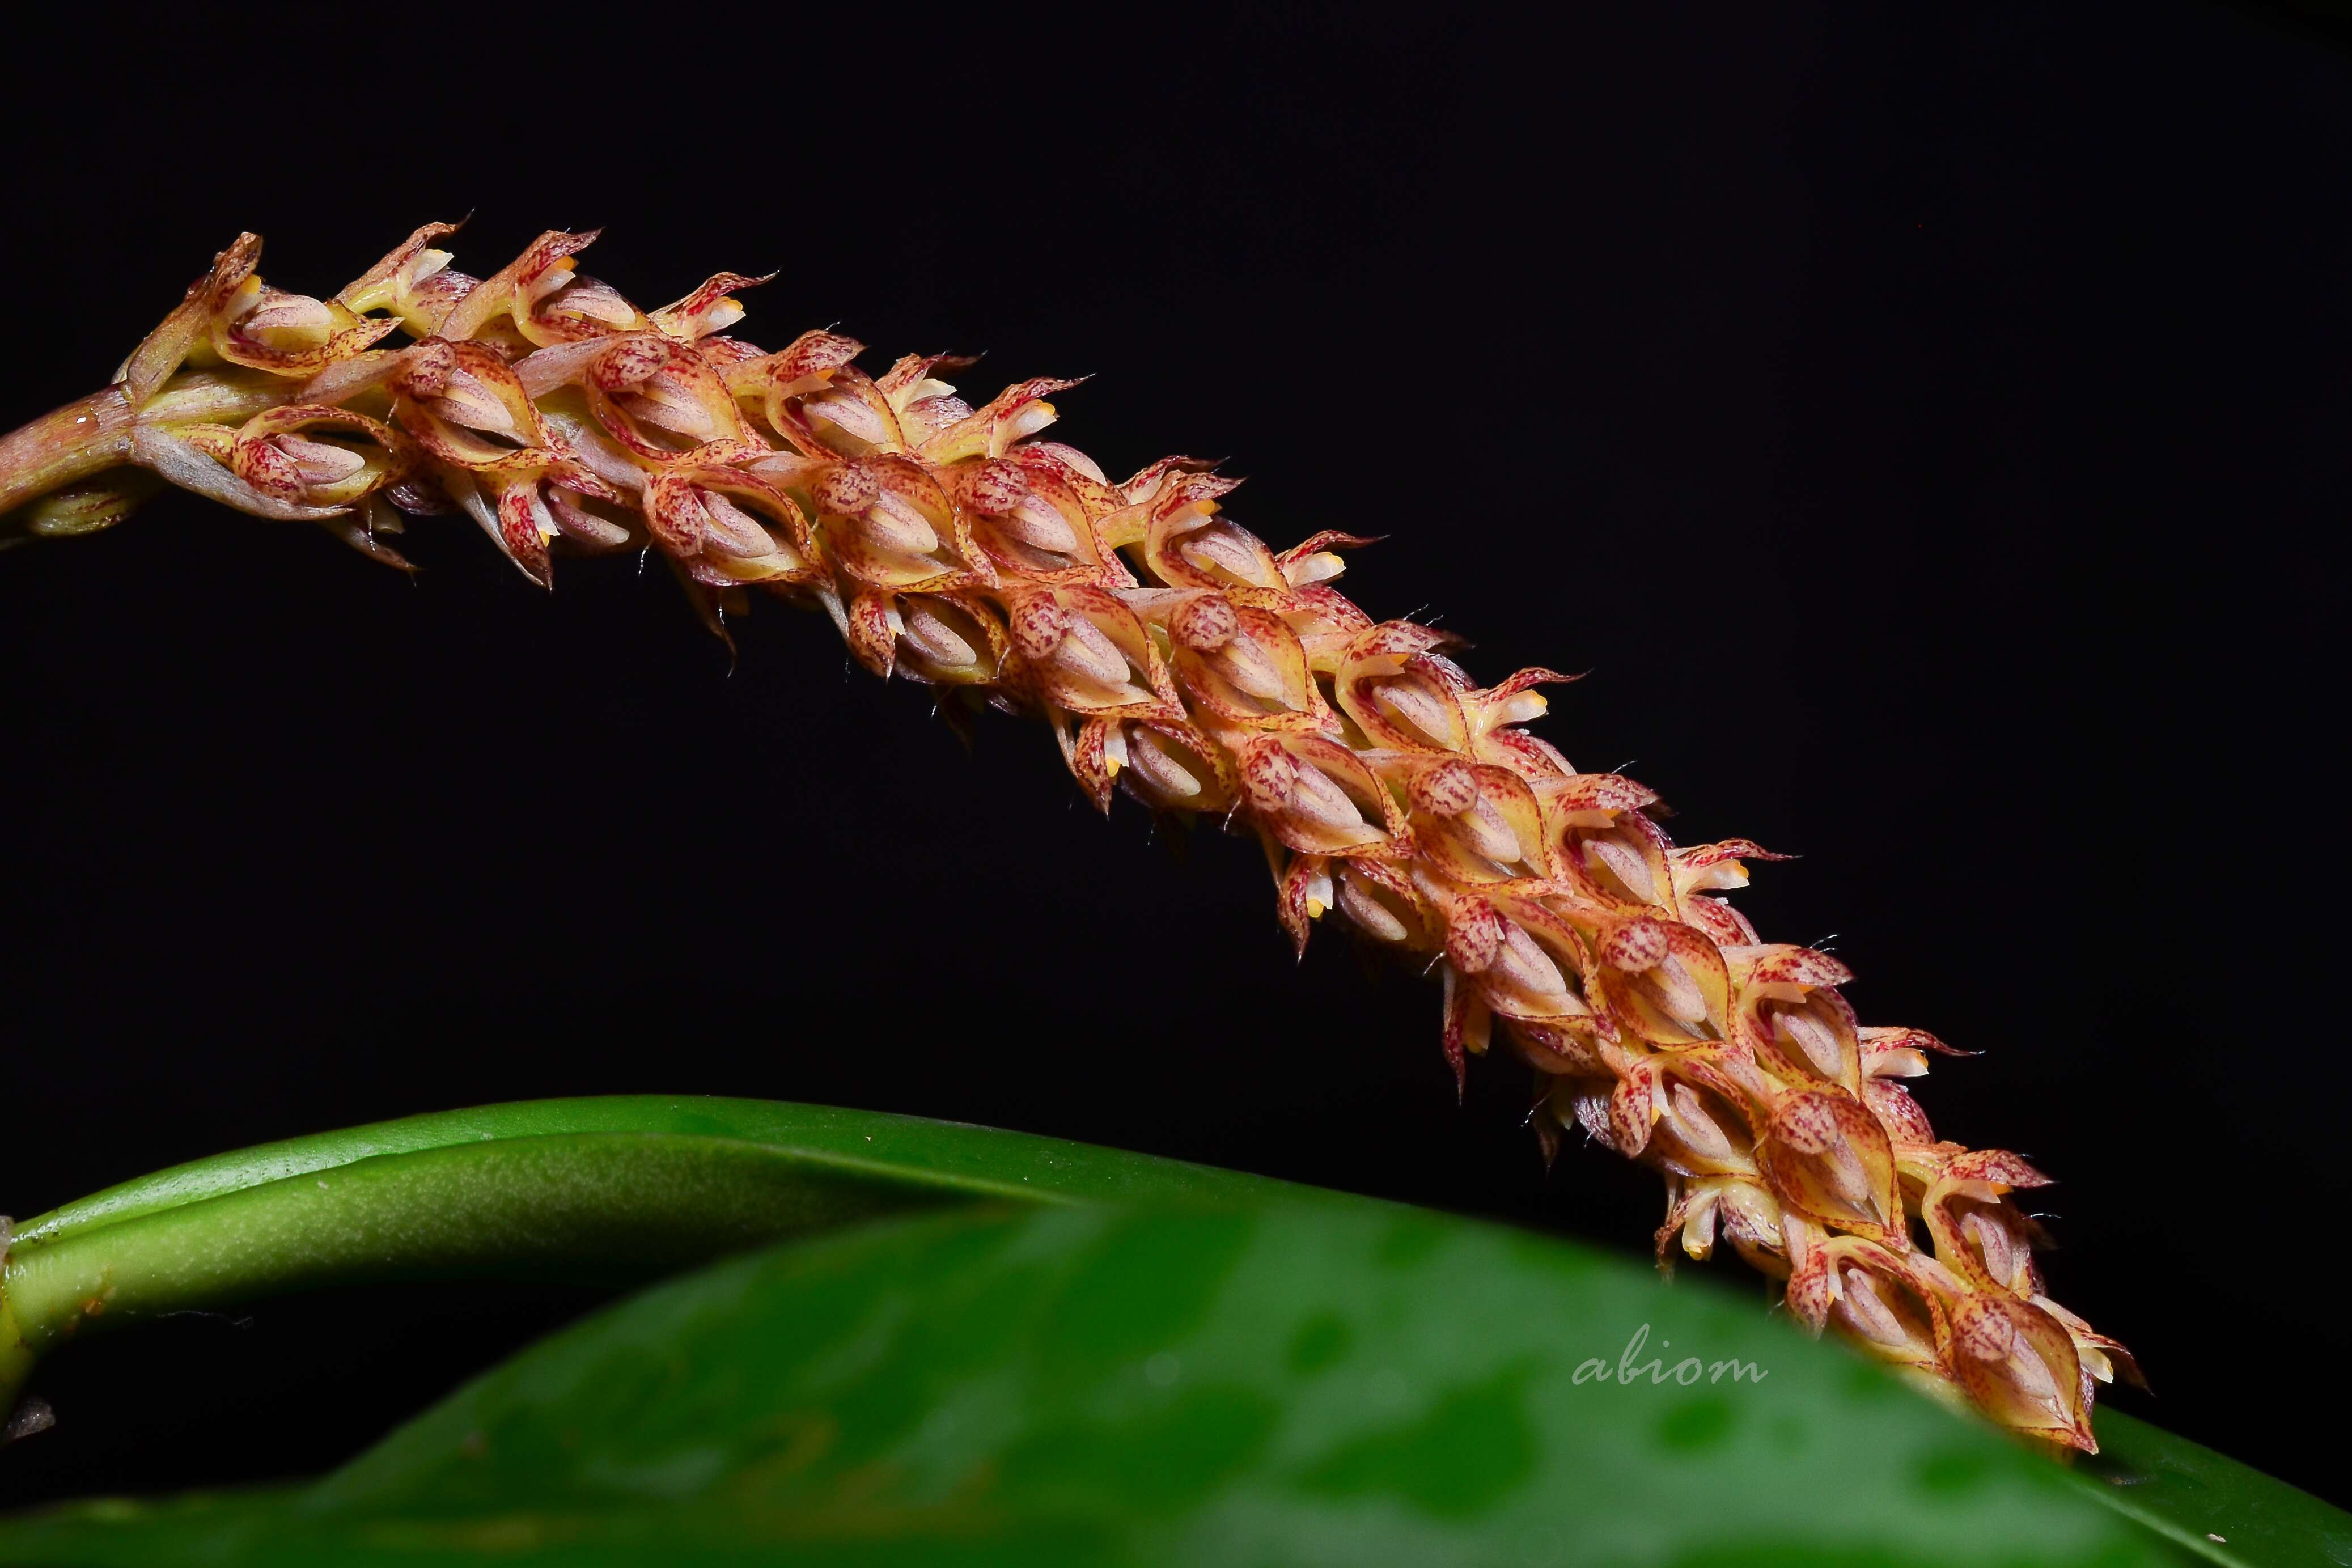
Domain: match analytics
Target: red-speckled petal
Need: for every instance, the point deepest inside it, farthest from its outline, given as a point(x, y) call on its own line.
point(1827, 1158)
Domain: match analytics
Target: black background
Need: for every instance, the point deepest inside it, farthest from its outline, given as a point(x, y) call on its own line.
point(1923, 422)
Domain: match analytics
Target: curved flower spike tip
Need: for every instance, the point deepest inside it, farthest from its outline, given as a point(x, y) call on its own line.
point(1177, 657)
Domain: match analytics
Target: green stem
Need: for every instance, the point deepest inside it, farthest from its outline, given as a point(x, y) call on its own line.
point(16, 1359)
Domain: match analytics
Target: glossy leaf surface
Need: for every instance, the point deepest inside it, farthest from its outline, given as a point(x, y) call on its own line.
point(904, 1152)
point(1336, 1384)
point(1097, 1356)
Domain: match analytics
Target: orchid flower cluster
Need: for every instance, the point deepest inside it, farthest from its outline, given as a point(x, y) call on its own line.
point(1180, 659)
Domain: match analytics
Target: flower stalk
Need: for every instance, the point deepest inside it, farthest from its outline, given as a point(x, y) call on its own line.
point(1178, 659)
point(57, 451)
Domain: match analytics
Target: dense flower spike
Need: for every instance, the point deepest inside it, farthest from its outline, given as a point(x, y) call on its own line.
point(1176, 657)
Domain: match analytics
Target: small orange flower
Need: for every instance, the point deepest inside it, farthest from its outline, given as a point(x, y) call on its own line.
point(1179, 659)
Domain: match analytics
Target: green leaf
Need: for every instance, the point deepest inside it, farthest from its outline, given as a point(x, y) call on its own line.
point(605, 1189)
point(1343, 1383)
point(2221, 1509)
point(1252, 1371)
point(949, 1157)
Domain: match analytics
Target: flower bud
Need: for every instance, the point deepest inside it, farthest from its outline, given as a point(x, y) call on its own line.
point(845, 490)
point(1473, 935)
point(1204, 624)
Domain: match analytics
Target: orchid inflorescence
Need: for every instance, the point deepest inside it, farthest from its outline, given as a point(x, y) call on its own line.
point(1176, 657)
